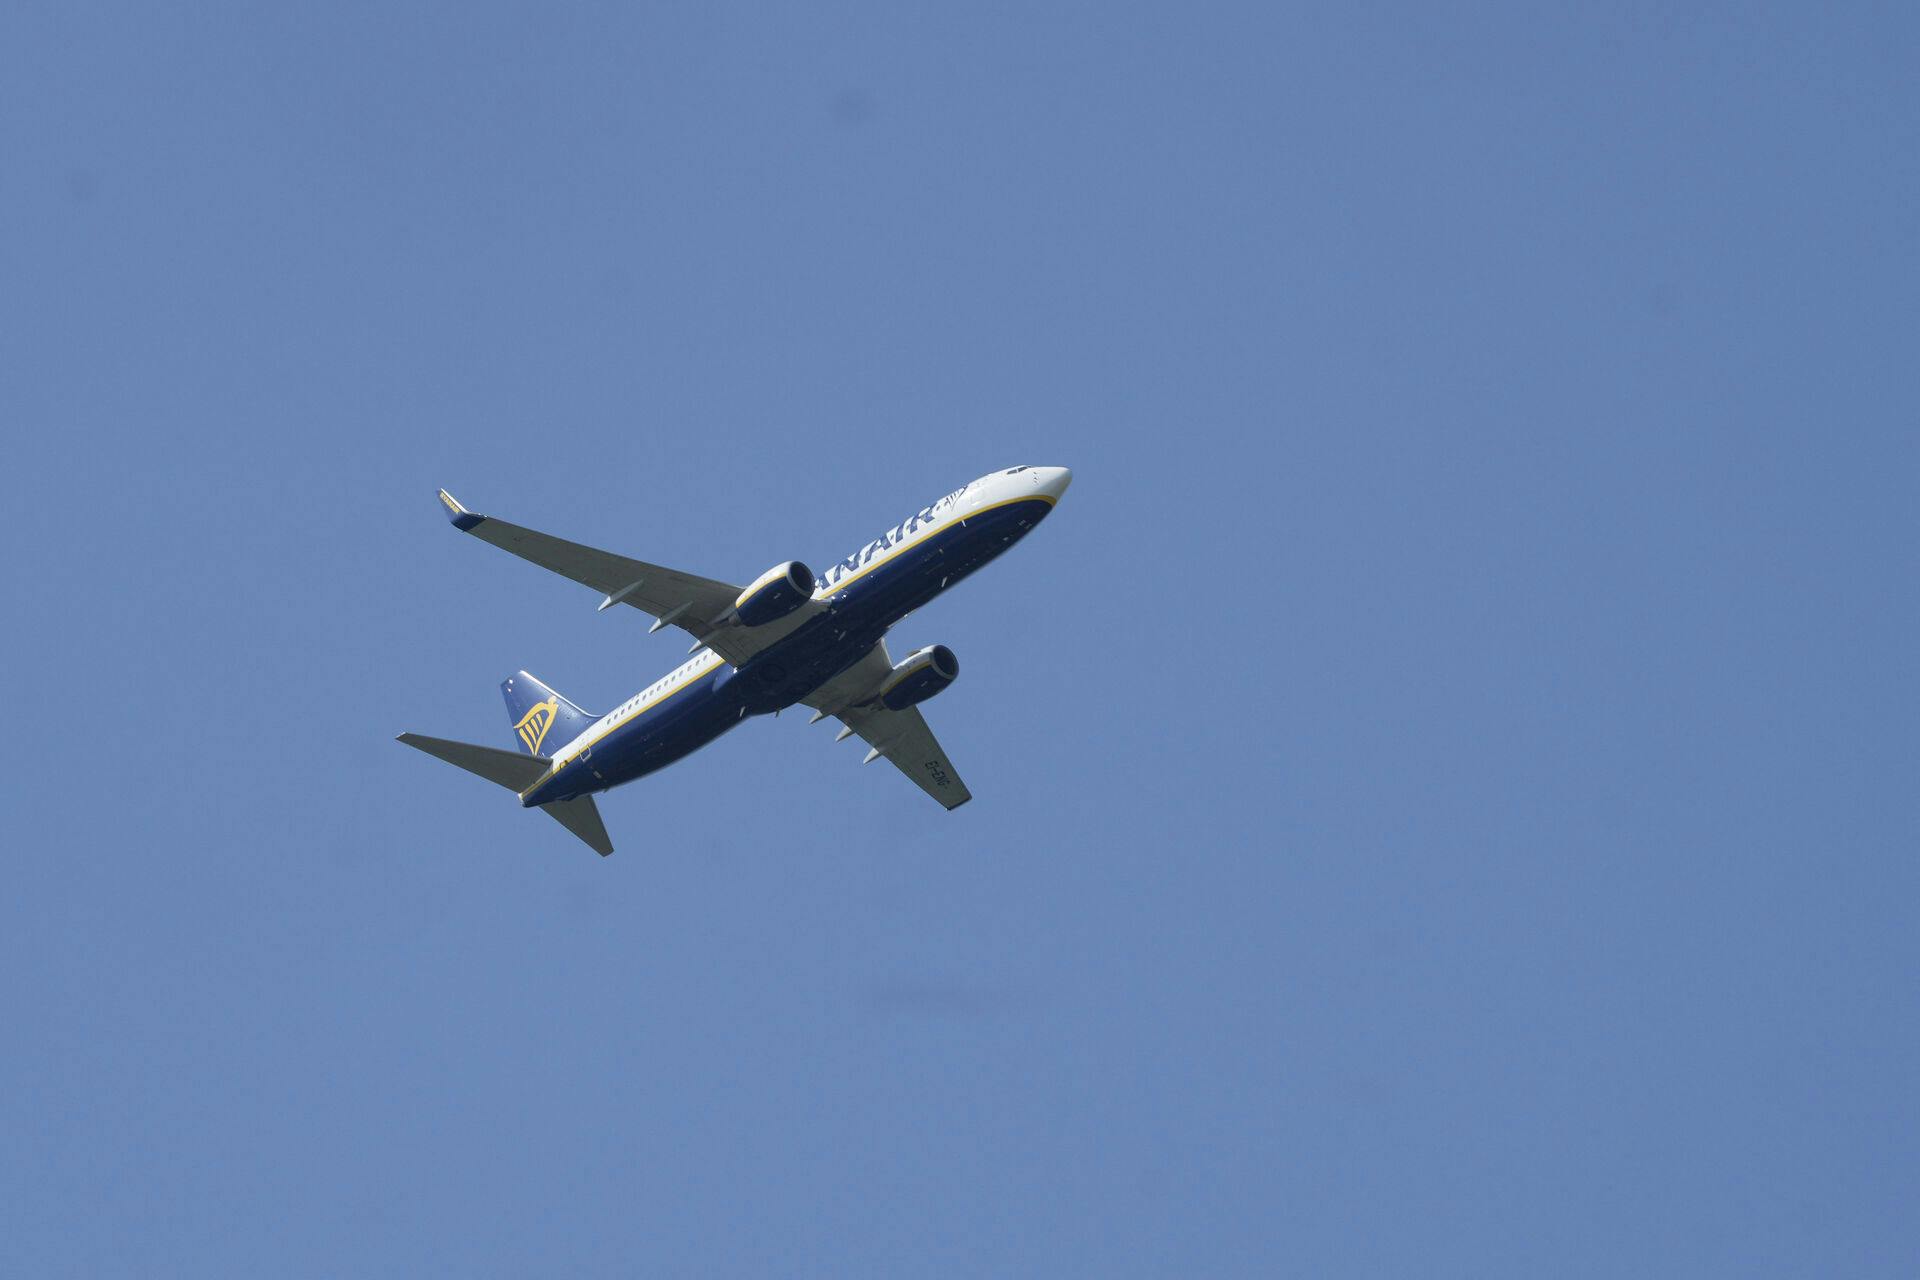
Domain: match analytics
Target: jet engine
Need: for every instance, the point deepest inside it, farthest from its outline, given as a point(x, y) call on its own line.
point(775, 594)
point(919, 676)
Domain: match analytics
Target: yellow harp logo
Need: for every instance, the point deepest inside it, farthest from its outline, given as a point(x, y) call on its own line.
point(533, 726)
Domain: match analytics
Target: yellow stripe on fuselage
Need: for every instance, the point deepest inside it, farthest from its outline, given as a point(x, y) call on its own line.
point(920, 537)
point(610, 725)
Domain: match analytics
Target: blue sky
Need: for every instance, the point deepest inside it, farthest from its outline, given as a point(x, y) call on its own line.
point(1445, 776)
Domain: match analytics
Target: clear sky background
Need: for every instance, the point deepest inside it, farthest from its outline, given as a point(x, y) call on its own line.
point(1445, 776)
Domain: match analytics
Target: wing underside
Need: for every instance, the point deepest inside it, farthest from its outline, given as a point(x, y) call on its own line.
point(702, 607)
point(902, 738)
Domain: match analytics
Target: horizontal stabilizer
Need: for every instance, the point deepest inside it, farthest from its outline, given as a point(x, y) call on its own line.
point(580, 816)
point(509, 769)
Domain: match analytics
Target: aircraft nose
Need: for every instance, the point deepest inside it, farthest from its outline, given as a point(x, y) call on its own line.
point(1053, 481)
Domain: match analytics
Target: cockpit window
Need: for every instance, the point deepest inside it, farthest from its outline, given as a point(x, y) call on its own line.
point(1014, 471)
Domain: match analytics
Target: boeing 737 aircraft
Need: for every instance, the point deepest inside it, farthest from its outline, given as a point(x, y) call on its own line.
point(787, 637)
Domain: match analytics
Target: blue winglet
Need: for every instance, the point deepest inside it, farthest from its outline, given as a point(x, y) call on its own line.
point(461, 517)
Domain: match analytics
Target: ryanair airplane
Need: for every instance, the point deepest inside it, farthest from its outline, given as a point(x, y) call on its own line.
point(787, 637)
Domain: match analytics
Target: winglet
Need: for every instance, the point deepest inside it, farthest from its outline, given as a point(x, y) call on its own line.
point(461, 517)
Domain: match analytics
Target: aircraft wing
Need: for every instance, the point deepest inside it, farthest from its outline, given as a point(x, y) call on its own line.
point(685, 600)
point(902, 737)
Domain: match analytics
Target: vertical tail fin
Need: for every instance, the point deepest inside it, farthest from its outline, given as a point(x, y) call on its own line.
point(543, 721)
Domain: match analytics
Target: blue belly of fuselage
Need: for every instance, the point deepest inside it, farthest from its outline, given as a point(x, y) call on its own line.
point(858, 615)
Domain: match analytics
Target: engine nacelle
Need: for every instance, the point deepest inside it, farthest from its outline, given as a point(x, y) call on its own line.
point(919, 676)
point(775, 594)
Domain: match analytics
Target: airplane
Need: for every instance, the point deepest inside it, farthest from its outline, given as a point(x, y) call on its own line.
point(787, 637)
